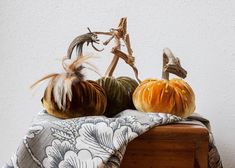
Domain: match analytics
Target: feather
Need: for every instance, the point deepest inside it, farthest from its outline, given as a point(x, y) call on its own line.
point(62, 90)
point(44, 78)
point(77, 63)
point(58, 91)
point(67, 90)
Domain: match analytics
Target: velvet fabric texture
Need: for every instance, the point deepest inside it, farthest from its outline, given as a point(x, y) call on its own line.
point(119, 93)
point(173, 96)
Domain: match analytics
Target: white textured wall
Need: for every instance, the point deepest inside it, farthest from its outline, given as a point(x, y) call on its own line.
point(34, 35)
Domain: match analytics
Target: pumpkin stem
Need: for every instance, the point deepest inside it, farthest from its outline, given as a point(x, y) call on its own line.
point(112, 66)
point(171, 64)
point(79, 41)
point(117, 35)
point(128, 58)
point(165, 74)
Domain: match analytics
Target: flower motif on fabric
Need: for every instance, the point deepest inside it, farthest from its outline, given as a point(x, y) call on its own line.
point(55, 153)
point(101, 139)
point(81, 159)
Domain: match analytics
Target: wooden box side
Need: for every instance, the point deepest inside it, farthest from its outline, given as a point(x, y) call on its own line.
point(177, 145)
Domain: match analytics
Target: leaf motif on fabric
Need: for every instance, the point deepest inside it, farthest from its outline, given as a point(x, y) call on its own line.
point(63, 136)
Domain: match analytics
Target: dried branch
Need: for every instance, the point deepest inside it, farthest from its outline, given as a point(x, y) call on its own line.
point(129, 59)
point(128, 44)
point(119, 34)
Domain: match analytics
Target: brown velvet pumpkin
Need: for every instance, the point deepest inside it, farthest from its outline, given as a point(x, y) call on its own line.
point(68, 95)
point(174, 96)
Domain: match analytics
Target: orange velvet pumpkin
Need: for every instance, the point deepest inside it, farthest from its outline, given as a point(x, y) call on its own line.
point(174, 96)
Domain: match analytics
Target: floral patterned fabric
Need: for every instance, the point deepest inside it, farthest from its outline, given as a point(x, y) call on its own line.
point(86, 142)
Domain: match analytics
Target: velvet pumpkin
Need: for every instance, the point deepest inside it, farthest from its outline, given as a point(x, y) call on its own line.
point(119, 90)
point(119, 93)
point(174, 96)
point(68, 95)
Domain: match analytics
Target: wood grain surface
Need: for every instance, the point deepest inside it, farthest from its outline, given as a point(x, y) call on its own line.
point(169, 146)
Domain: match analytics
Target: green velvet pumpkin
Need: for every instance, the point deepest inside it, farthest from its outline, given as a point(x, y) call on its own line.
point(119, 93)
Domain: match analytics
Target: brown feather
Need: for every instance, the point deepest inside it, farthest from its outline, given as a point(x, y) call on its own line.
point(44, 78)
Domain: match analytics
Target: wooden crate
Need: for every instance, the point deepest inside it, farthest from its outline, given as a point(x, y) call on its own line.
point(169, 146)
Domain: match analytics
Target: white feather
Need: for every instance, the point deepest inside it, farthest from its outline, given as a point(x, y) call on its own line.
point(67, 88)
point(63, 90)
point(57, 91)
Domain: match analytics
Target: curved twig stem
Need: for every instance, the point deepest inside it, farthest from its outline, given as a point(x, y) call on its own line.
point(129, 59)
point(79, 41)
point(104, 33)
point(112, 66)
point(171, 64)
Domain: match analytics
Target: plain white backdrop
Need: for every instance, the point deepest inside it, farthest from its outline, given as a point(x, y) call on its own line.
point(34, 36)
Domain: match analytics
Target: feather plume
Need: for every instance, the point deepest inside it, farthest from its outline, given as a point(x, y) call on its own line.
point(60, 85)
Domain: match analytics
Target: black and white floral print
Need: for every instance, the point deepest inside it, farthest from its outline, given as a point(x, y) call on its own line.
point(86, 142)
